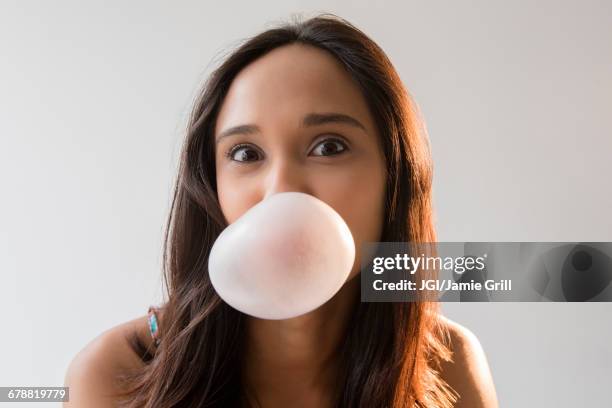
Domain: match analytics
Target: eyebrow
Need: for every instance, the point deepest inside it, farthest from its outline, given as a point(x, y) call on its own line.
point(312, 119)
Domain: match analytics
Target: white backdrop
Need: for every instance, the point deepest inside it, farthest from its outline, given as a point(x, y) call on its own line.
point(94, 98)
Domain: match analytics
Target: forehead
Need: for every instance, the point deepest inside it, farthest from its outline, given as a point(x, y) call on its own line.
point(289, 82)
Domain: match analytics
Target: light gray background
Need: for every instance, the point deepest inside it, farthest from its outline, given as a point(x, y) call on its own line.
point(93, 102)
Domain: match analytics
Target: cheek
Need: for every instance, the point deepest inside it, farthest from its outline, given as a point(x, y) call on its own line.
point(356, 192)
point(235, 196)
point(360, 201)
point(365, 219)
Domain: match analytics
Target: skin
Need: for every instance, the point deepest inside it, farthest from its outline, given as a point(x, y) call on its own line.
point(292, 362)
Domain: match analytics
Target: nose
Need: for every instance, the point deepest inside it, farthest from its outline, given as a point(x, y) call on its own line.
point(286, 175)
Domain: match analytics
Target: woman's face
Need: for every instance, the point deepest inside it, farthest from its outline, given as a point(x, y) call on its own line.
point(294, 120)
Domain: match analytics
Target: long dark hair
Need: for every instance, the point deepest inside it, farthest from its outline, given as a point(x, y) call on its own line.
point(392, 351)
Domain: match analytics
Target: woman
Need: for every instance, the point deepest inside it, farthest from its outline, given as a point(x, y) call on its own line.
point(316, 107)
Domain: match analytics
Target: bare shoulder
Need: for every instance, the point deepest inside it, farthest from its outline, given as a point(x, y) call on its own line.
point(469, 373)
point(91, 375)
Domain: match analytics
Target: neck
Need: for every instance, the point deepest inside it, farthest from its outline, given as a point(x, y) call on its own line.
point(297, 359)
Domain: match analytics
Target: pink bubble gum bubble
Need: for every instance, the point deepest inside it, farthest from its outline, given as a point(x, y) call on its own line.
point(286, 256)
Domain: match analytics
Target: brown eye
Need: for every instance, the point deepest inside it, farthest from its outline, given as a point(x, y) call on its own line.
point(330, 147)
point(242, 153)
